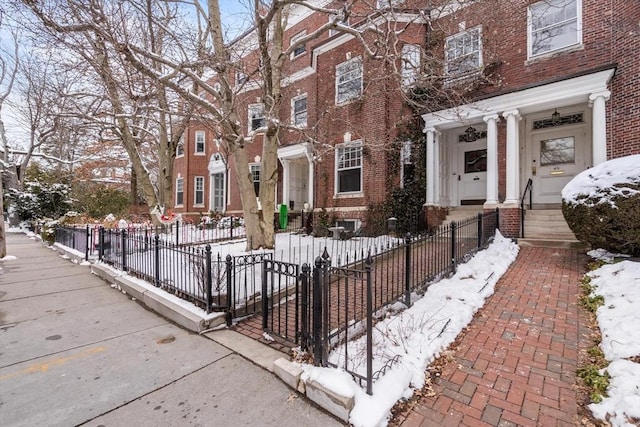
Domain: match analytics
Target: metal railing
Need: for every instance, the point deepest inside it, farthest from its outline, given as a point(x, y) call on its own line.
point(527, 189)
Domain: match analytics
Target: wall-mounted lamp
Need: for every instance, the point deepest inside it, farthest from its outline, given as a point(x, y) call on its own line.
point(470, 134)
point(555, 117)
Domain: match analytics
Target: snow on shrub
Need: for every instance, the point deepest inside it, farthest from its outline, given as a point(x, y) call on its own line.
point(602, 205)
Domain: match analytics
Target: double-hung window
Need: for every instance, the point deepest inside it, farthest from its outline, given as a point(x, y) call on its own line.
point(255, 175)
point(198, 191)
point(300, 49)
point(554, 25)
point(410, 64)
point(349, 168)
point(200, 142)
point(299, 111)
point(383, 4)
point(179, 191)
point(180, 147)
point(256, 117)
point(348, 80)
point(463, 52)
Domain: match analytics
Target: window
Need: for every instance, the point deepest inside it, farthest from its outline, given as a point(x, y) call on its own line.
point(554, 25)
point(475, 161)
point(410, 64)
point(298, 50)
point(200, 139)
point(341, 21)
point(198, 190)
point(179, 191)
point(383, 4)
point(180, 147)
point(256, 117)
point(463, 52)
point(241, 78)
point(348, 80)
point(407, 171)
point(218, 186)
point(299, 111)
point(255, 174)
point(349, 168)
point(557, 151)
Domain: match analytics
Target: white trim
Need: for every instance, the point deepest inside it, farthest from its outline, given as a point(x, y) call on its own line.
point(216, 163)
point(293, 40)
point(355, 60)
point(195, 190)
point(553, 95)
point(578, 42)
point(293, 112)
point(294, 151)
point(347, 194)
point(195, 143)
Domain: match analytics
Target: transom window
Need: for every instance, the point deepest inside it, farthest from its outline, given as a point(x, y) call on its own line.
point(349, 168)
point(198, 188)
point(463, 52)
point(256, 117)
point(299, 111)
point(348, 80)
point(554, 25)
point(298, 50)
point(179, 191)
point(200, 141)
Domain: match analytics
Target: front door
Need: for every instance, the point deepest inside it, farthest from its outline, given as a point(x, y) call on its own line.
point(299, 171)
point(472, 171)
point(557, 155)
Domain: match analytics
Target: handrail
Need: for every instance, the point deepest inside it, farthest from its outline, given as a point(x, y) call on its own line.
point(527, 188)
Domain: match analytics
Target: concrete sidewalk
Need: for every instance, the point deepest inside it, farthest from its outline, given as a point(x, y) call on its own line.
point(76, 351)
point(515, 365)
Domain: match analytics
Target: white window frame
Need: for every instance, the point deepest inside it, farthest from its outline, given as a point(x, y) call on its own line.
point(179, 190)
point(256, 169)
point(553, 4)
point(411, 60)
point(295, 120)
point(241, 78)
point(300, 50)
point(198, 189)
point(384, 4)
point(334, 31)
point(355, 162)
point(200, 138)
point(180, 147)
point(250, 110)
point(349, 71)
point(448, 52)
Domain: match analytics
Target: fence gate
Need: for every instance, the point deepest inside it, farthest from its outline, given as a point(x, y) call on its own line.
point(285, 299)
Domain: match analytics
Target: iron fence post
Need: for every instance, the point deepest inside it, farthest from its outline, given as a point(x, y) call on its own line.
point(479, 230)
point(265, 297)
point(317, 312)
point(453, 246)
point(304, 278)
point(101, 243)
point(407, 270)
point(231, 228)
point(207, 250)
point(231, 291)
point(367, 267)
point(177, 232)
point(326, 262)
point(86, 251)
point(156, 249)
point(124, 250)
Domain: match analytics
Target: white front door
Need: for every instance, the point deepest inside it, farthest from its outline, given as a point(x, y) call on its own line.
point(299, 172)
point(556, 156)
point(472, 171)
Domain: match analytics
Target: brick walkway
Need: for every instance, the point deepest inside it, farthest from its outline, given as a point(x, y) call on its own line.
point(516, 363)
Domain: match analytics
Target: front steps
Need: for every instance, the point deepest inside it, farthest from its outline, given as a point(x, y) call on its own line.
point(459, 213)
point(547, 228)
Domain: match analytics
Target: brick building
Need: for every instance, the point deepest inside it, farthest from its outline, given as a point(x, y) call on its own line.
point(544, 90)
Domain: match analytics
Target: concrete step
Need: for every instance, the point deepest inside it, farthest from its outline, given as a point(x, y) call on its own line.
point(547, 227)
point(552, 243)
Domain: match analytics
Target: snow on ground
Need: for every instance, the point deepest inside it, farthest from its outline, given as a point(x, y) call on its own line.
point(417, 335)
point(619, 322)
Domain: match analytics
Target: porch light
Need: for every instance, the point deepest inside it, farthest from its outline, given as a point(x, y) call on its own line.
point(470, 134)
point(555, 117)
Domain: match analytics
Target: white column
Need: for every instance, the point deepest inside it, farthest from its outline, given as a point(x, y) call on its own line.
point(599, 122)
point(285, 181)
point(310, 178)
point(436, 168)
point(492, 161)
point(513, 158)
point(430, 161)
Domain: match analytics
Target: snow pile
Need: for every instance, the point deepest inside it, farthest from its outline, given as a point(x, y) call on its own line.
point(619, 321)
point(416, 336)
point(601, 183)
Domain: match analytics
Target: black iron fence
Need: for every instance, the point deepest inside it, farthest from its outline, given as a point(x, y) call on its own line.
point(326, 306)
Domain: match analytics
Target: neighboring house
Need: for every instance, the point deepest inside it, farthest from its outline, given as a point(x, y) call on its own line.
point(544, 90)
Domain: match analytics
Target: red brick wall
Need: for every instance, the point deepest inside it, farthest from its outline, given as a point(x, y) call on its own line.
point(510, 222)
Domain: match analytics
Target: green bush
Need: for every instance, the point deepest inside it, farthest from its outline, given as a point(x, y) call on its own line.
point(602, 205)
